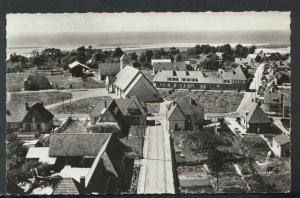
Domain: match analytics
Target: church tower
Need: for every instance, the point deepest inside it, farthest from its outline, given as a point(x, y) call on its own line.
point(124, 60)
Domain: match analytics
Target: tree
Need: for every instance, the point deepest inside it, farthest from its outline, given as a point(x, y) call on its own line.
point(118, 52)
point(178, 58)
point(133, 56)
point(149, 55)
point(215, 162)
point(252, 49)
point(142, 58)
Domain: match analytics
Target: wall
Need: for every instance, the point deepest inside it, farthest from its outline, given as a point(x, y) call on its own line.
point(199, 86)
point(181, 125)
point(144, 91)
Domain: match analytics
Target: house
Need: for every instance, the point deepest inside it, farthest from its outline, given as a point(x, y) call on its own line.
point(30, 119)
point(89, 162)
point(273, 103)
point(255, 120)
point(131, 82)
point(129, 111)
point(77, 69)
point(252, 57)
point(154, 61)
point(37, 82)
point(226, 80)
point(159, 66)
point(184, 114)
point(281, 145)
point(13, 66)
point(108, 70)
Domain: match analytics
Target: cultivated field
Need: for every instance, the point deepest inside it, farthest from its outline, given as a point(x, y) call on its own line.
point(214, 102)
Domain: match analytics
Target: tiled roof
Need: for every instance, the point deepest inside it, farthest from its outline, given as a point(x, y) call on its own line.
point(256, 115)
point(158, 66)
point(15, 112)
point(175, 114)
point(282, 139)
point(195, 182)
point(66, 186)
point(109, 68)
point(72, 144)
point(189, 106)
point(273, 98)
point(126, 76)
point(237, 74)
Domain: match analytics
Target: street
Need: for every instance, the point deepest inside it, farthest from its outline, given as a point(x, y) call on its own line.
point(157, 174)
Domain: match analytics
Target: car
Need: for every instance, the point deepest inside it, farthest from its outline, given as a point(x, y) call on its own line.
point(157, 122)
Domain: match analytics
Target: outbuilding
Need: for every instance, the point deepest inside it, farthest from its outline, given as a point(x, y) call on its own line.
point(281, 145)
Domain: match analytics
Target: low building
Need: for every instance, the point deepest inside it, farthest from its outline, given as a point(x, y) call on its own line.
point(77, 69)
point(154, 61)
point(108, 70)
point(281, 145)
point(160, 66)
point(37, 82)
point(131, 82)
point(255, 120)
point(226, 80)
point(184, 114)
point(125, 112)
point(40, 154)
point(21, 117)
point(243, 61)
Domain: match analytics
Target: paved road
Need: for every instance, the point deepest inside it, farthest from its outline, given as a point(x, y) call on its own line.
point(79, 94)
point(156, 171)
point(158, 174)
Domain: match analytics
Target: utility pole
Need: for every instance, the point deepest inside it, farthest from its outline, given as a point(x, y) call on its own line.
point(71, 102)
point(63, 100)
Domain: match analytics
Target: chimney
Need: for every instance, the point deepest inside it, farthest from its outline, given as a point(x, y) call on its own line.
point(174, 102)
point(174, 73)
point(27, 107)
point(42, 103)
point(82, 184)
point(187, 73)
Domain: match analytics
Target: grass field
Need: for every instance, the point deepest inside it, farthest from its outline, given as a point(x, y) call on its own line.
point(47, 98)
point(15, 81)
point(83, 106)
point(214, 102)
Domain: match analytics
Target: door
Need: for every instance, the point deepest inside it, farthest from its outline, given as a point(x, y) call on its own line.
point(176, 126)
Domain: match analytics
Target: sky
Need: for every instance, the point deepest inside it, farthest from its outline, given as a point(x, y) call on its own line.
point(133, 22)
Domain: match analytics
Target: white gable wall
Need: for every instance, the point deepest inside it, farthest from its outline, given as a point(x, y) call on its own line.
point(144, 91)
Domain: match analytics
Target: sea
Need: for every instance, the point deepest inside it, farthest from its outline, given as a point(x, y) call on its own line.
point(25, 43)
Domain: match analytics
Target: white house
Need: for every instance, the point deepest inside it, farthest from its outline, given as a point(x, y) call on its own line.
point(281, 145)
point(131, 82)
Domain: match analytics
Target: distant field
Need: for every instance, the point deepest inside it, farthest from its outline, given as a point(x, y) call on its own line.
point(47, 98)
point(214, 102)
point(84, 106)
point(15, 81)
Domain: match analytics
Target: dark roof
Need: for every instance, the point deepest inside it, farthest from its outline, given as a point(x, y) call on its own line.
point(256, 115)
point(273, 98)
point(38, 79)
point(41, 111)
point(15, 112)
point(175, 114)
point(158, 66)
point(282, 139)
point(108, 68)
point(122, 104)
point(80, 144)
point(189, 106)
point(111, 79)
point(66, 186)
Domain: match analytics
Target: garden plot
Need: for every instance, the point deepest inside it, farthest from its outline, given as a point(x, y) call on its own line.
point(214, 102)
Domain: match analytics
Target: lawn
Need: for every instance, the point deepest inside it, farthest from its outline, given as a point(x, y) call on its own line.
point(83, 106)
point(15, 81)
point(214, 102)
point(47, 98)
